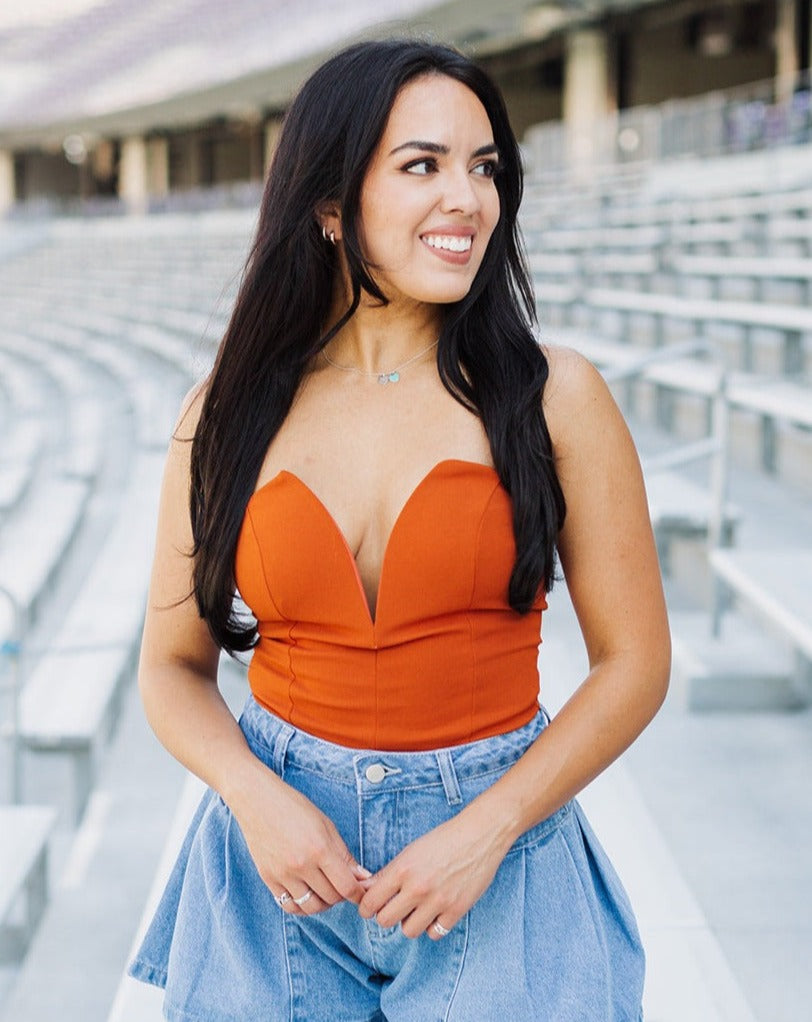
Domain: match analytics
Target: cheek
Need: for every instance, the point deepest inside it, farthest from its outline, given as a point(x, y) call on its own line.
point(491, 210)
point(389, 226)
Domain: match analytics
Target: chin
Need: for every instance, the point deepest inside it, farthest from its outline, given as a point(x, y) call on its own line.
point(445, 295)
point(432, 291)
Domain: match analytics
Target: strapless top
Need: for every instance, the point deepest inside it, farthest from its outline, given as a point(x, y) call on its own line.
point(446, 659)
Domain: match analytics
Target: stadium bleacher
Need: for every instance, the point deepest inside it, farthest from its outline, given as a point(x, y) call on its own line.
point(659, 272)
point(101, 335)
point(106, 323)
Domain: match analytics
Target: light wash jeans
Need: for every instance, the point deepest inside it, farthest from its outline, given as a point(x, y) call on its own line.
point(553, 939)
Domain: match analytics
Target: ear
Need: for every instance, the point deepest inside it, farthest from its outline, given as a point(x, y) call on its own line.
point(328, 217)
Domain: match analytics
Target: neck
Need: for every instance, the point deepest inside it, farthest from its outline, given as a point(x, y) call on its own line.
point(379, 338)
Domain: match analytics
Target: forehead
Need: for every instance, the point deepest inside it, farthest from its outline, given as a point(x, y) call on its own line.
point(432, 107)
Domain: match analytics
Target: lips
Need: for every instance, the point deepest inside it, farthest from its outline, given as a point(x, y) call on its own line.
point(450, 243)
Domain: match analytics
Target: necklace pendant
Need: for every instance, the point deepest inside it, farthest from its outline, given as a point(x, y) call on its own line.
point(383, 378)
point(394, 377)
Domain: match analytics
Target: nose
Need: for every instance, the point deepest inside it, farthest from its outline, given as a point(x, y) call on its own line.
point(460, 194)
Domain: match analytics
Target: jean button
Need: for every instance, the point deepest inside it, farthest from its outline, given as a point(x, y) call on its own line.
point(375, 773)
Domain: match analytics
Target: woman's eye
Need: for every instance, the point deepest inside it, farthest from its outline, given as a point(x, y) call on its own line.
point(490, 168)
point(420, 167)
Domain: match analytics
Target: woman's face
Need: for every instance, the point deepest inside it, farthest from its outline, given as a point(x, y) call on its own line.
point(429, 203)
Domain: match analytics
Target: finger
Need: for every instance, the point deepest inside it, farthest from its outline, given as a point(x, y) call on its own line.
point(397, 909)
point(440, 927)
point(282, 897)
point(419, 921)
point(305, 900)
point(341, 873)
point(320, 885)
point(383, 888)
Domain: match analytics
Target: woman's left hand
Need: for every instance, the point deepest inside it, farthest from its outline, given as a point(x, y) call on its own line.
point(436, 878)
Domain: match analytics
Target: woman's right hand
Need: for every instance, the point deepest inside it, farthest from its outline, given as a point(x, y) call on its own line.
point(297, 849)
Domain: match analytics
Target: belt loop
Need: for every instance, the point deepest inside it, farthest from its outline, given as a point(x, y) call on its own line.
point(280, 746)
point(449, 776)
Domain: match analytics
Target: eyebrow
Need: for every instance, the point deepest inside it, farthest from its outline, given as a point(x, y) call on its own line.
point(443, 150)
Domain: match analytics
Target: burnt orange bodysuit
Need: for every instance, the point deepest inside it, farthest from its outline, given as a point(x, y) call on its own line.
point(446, 659)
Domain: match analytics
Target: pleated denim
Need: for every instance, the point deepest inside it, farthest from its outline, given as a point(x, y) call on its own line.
point(553, 939)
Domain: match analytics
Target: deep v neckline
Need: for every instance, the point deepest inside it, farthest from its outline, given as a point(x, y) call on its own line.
point(372, 614)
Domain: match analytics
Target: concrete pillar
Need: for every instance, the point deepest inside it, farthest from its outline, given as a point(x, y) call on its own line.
point(133, 174)
point(256, 152)
point(787, 62)
point(586, 101)
point(7, 195)
point(272, 130)
point(158, 166)
point(194, 159)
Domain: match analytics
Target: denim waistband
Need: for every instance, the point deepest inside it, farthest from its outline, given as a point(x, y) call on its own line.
point(372, 770)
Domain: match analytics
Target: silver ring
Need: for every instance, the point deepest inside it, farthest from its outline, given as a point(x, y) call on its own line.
point(439, 929)
point(308, 894)
point(283, 899)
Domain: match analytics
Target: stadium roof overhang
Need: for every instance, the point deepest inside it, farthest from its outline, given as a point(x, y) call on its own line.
point(476, 26)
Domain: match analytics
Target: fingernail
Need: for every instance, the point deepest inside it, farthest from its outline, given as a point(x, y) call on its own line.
point(361, 870)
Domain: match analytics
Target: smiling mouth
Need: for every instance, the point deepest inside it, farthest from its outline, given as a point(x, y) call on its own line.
point(449, 242)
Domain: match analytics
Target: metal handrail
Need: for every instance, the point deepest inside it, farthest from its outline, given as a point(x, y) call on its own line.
point(683, 455)
point(761, 115)
point(666, 353)
point(10, 650)
point(714, 446)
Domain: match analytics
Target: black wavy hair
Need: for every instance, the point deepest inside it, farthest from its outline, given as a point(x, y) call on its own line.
point(487, 356)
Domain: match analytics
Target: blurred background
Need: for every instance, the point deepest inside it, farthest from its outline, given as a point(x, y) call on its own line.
point(668, 223)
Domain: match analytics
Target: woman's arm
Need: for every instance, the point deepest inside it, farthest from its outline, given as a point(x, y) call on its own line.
point(610, 563)
point(609, 557)
point(294, 846)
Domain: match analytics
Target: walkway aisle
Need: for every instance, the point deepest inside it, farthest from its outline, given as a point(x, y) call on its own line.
point(688, 978)
point(100, 879)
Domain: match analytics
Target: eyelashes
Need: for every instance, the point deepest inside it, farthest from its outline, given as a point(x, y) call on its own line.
point(486, 168)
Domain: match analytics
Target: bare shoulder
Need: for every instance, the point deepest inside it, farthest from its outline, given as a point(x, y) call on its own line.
point(578, 405)
point(190, 409)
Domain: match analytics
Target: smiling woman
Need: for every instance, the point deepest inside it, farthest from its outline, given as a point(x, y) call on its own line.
point(429, 208)
point(384, 464)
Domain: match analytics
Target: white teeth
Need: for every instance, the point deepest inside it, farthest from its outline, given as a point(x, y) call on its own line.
point(448, 241)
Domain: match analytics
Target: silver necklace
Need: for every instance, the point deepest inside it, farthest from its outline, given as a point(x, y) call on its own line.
point(391, 377)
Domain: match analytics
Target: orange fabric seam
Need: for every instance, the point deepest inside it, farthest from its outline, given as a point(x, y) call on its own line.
point(469, 622)
point(258, 546)
point(291, 671)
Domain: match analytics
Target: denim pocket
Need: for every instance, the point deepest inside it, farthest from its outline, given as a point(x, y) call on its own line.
point(541, 831)
point(471, 787)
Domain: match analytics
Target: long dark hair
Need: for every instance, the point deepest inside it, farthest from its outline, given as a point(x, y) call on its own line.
point(487, 357)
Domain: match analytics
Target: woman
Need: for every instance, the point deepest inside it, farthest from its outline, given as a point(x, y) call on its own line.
point(383, 463)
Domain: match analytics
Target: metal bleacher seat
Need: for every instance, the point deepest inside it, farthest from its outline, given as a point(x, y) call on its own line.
point(726, 274)
point(69, 704)
point(24, 834)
